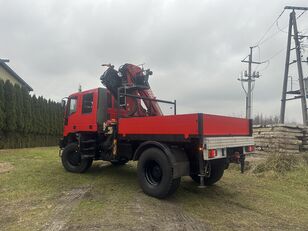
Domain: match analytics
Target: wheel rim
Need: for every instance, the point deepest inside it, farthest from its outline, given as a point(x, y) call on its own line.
point(153, 172)
point(74, 158)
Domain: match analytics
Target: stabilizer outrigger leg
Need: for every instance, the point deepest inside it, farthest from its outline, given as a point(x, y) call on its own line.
point(201, 181)
point(202, 175)
point(242, 162)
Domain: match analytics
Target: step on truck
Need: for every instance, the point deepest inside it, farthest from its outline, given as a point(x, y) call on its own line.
point(124, 122)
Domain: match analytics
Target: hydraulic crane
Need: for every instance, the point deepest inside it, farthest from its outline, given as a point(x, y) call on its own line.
point(133, 81)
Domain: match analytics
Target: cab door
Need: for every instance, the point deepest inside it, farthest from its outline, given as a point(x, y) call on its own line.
point(88, 106)
point(71, 116)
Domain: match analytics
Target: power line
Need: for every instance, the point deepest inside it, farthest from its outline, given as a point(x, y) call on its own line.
point(300, 14)
point(268, 30)
point(264, 40)
point(250, 76)
point(274, 34)
point(269, 38)
point(267, 61)
point(281, 30)
point(263, 69)
point(275, 54)
point(259, 53)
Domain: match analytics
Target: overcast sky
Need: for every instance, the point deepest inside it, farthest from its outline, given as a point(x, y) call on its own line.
point(193, 47)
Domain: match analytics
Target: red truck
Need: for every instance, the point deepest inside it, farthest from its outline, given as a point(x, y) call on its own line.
point(124, 122)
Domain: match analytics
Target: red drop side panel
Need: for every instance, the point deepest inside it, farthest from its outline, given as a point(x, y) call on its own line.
point(160, 125)
point(214, 125)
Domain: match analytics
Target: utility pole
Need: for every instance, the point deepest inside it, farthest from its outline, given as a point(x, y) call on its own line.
point(301, 93)
point(249, 78)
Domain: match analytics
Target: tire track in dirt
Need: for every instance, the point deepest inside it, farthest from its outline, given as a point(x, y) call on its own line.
point(65, 204)
point(163, 215)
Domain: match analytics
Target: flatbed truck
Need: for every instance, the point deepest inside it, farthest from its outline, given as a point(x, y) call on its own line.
point(123, 122)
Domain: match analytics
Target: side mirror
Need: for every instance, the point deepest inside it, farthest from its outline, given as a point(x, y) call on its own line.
point(63, 102)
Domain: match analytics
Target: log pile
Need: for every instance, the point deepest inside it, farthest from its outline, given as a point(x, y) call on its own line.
point(281, 138)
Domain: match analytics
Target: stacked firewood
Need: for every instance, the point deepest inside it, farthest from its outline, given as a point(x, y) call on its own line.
point(281, 138)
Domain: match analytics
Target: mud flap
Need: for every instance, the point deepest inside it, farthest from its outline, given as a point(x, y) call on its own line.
point(179, 162)
point(177, 157)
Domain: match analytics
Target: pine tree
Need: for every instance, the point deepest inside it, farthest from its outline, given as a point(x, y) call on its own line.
point(2, 112)
point(28, 120)
point(19, 108)
point(34, 123)
point(26, 110)
point(10, 107)
point(41, 115)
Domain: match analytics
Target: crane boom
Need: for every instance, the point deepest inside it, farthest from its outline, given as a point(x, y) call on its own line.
point(134, 80)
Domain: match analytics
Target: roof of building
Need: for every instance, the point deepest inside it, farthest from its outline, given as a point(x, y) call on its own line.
point(13, 73)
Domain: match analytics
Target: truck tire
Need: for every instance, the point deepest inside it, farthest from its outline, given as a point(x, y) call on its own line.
point(71, 159)
point(217, 171)
point(155, 174)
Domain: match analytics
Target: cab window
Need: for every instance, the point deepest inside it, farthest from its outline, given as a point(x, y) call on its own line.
point(72, 105)
point(87, 103)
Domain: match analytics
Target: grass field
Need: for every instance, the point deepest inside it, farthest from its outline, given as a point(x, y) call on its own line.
point(37, 194)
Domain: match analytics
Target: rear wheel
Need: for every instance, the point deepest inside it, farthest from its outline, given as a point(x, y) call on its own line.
point(155, 174)
point(72, 161)
point(216, 171)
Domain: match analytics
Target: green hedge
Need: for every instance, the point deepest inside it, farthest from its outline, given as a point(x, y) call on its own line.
point(27, 121)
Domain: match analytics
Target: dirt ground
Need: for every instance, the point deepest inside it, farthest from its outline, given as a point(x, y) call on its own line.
point(5, 167)
point(37, 194)
point(159, 216)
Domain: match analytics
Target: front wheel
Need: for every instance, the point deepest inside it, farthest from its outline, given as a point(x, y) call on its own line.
point(216, 171)
point(155, 174)
point(72, 161)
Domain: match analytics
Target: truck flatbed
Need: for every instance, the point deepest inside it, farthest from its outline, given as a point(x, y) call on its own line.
point(184, 126)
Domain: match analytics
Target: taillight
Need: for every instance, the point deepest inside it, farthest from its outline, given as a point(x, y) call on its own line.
point(250, 148)
point(212, 153)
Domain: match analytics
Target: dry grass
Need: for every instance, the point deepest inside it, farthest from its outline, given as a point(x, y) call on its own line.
point(305, 158)
point(278, 164)
point(5, 167)
point(39, 195)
